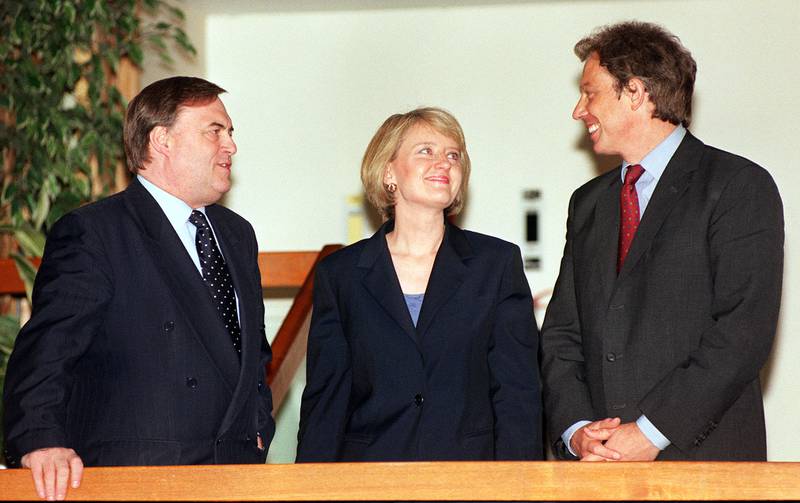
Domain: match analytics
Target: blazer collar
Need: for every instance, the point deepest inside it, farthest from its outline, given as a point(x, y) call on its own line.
point(670, 188)
point(380, 278)
point(183, 279)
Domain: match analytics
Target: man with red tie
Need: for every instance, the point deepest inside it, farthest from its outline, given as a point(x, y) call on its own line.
point(667, 299)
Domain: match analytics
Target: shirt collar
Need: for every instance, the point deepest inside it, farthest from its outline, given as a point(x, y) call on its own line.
point(176, 210)
point(656, 161)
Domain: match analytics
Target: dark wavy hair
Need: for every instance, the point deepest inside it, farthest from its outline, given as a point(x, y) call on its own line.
point(646, 51)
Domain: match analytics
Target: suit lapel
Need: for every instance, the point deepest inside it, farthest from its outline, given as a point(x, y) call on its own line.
point(447, 275)
point(380, 280)
point(184, 281)
point(607, 228)
point(671, 186)
point(236, 260)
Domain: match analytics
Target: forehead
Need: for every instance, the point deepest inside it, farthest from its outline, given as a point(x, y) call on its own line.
point(203, 114)
point(422, 132)
point(594, 74)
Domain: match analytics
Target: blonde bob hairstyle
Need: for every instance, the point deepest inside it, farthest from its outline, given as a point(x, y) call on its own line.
point(383, 149)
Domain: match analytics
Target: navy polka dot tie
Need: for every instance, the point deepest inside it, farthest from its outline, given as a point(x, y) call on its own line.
point(629, 213)
point(217, 277)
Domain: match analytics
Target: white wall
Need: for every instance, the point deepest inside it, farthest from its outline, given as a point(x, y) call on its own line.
point(309, 83)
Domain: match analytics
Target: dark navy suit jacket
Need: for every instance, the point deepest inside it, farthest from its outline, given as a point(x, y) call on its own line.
point(462, 385)
point(125, 358)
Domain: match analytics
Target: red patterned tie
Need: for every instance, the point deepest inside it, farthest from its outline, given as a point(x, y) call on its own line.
point(629, 212)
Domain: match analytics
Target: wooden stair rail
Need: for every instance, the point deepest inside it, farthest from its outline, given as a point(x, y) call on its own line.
point(441, 481)
point(279, 271)
point(289, 345)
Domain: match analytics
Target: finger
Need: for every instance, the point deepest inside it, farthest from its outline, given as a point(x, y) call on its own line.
point(49, 469)
point(603, 434)
point(38, 479)
point(62, 478)
point(603, 451)
point(592, 457)
point(609, 422)
point(76, 470)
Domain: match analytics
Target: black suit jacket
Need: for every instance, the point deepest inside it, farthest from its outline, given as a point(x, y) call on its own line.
point(681, 333)
point(462, 385)
point(125, 358)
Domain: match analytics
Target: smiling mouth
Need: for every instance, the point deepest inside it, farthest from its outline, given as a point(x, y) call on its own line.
point(439, 179)
point(593, 128)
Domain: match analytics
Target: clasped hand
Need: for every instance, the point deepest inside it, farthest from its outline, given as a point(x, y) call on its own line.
point(611, 440)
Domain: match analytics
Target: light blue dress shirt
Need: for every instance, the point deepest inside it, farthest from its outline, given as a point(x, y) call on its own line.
point(178, 212)
point(654, 165)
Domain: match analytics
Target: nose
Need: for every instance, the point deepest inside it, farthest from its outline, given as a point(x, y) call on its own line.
point(444, 162)
point(580, 108)
point(228, 145)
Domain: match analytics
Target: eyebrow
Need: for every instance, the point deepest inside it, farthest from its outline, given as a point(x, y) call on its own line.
point(220, 125)
point(424, 143)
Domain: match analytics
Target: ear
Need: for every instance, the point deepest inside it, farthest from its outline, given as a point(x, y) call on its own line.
point(388, 174)
point(636, 92)
point(159, 140)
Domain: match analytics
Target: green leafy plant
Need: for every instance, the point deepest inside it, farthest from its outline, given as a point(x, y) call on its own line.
point(61, 112)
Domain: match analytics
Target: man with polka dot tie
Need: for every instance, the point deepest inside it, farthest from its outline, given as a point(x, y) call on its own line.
point(146, 344)
point(667, 300)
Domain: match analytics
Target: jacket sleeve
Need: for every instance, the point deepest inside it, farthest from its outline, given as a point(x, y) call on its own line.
point(71, 290)
point(745, 239)
point(323, 411)
point(266, 423)
point(513, 364)
point(566, 395)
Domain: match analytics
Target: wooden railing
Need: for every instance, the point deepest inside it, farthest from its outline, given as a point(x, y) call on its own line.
point(281, 272)
point(444, 481)
point(290, 270)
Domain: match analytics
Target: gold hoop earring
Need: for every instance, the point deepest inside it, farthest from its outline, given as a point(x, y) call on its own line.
point(391, 188)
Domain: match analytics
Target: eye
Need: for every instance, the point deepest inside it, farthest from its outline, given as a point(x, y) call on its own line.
point(425, 150)
point(454, 156)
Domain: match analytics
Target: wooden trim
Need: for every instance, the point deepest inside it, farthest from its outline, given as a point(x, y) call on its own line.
point(285, 269)
point(10, 282)
point(278, 270)
point(289, 345)
point(442, 481)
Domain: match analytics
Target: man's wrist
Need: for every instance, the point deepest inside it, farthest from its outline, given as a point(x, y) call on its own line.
point(566, 437)
point(652, 433)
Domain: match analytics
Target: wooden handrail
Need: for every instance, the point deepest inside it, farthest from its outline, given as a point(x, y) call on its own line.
point(279, 270)
point(289, 345)
point(10, 282)
point(442, 481)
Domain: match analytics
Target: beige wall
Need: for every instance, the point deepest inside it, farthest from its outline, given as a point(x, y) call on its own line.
point(309, 84)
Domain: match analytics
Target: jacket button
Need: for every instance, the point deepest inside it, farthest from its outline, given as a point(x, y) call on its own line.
point(191, 382)
point(618, 406)
point(611, 357)
point(168, 326)
point(418, 399)
point(219, 441)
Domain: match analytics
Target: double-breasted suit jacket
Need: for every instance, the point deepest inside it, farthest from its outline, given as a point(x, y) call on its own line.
point(461, 385)
point(681, 334)
point(125, 358)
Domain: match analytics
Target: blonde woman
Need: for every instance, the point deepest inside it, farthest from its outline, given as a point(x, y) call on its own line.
point(423, 344)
